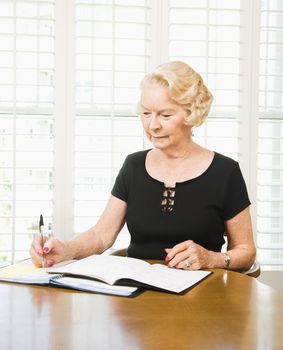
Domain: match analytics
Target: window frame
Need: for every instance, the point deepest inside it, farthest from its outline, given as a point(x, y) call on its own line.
point(65, 111)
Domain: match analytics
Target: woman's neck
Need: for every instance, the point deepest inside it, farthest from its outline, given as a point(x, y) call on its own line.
point(179, 153)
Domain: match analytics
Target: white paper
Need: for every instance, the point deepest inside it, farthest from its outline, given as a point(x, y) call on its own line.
point(27, 273)
point(112, 268)
point(93, 286)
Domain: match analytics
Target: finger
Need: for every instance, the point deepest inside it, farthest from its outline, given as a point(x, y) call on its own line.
point(36, 250)
point(37, 245)
point(178, 258)
point(186, 264)
point(48, 245)
point(167, 250)
point(49, 263)
point(48, 250)
point(37, 263)
point(178, 248)
point(36, 258)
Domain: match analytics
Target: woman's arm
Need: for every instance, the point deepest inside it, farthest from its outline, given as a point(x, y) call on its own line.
point(241, 248)
point(93, 241)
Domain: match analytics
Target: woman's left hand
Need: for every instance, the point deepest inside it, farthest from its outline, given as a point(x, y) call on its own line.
point(189, 256)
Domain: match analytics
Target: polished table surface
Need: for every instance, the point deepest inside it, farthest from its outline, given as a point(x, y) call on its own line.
point(228, 310)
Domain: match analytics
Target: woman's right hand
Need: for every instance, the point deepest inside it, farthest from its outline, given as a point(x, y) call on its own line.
point(52, 252)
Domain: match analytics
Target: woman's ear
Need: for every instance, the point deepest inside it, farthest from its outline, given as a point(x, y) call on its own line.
point(188, 117)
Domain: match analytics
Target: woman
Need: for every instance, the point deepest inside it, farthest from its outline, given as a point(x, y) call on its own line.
point(178, 199)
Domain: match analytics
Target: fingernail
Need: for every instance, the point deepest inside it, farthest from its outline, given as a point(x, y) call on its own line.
point(167, 258)
point(45, 250)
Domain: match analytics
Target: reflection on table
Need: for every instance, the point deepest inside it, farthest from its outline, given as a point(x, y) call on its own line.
point(228, 310)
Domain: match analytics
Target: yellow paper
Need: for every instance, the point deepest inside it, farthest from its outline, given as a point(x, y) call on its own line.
point(12, 271)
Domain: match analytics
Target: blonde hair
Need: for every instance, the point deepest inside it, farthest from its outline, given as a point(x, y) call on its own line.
point(186, 88)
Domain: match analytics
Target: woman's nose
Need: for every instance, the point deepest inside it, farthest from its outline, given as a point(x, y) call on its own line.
point(154, 122)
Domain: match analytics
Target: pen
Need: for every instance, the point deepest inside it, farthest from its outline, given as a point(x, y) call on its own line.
point(41, 229)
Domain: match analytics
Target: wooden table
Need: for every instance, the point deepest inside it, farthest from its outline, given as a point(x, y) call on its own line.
point(227, 311)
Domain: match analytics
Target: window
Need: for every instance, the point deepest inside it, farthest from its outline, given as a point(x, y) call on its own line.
point(207, 35)
point(26, 119)
point(70, 73)
point(111, 57)
point(270, 140)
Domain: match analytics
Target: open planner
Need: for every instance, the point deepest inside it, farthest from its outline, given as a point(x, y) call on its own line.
point(105, 274)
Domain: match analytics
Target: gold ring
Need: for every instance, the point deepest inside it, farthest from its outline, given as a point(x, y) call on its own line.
point(188, 264)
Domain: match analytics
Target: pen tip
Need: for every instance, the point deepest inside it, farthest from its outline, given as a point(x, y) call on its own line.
point(41, 220)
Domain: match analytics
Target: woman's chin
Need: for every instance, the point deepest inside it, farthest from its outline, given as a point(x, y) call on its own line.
point(159, 145)
point(159, 142)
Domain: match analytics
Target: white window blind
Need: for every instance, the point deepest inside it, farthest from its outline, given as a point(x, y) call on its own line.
point(112, 56)
point(69, 76)
point(270, 141)
point(26, 122)
point(207, 35)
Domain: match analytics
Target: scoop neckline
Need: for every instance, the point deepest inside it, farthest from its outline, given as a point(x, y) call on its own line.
point(178, 183)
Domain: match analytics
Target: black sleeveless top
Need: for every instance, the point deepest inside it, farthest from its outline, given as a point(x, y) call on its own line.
point(159, 217)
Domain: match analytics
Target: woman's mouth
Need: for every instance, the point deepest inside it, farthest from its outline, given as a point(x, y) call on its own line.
point(158, 137)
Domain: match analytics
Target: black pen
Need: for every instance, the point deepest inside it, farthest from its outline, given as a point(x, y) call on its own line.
point(41, 232)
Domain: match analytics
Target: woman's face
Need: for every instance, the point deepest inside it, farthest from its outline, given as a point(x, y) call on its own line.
point(164, 121)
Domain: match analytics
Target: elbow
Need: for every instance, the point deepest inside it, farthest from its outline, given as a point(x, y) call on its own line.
point(251, 258)
point(106, 242)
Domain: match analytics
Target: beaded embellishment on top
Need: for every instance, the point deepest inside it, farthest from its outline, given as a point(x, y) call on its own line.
point(168, 199)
